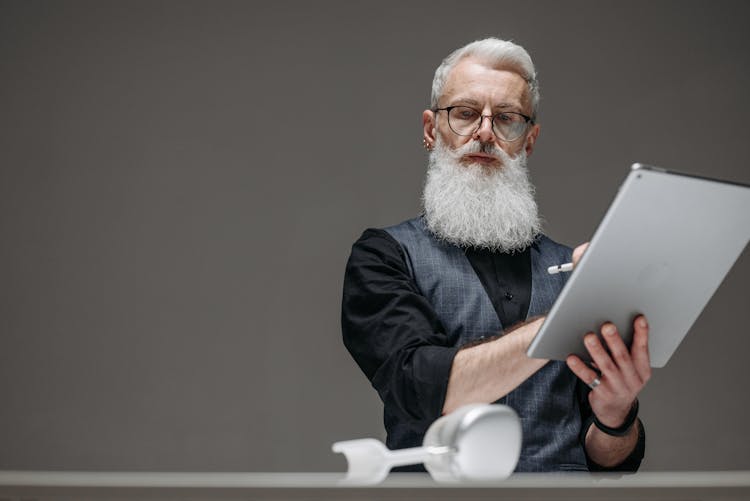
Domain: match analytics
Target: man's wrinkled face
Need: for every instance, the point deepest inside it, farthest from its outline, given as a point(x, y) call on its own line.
point(488, 91)
point(478, 192)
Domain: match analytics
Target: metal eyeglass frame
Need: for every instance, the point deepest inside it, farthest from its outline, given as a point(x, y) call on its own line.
point(448, 109)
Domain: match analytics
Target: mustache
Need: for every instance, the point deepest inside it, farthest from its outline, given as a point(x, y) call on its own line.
point(479, 147)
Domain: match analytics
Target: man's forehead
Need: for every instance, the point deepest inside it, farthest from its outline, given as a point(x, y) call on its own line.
point(468, 99)
point(475, 82)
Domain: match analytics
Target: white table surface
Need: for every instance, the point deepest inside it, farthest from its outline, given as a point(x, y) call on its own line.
point(43, 486)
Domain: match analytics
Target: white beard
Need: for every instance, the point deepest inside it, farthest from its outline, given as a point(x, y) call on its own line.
point(477, 206)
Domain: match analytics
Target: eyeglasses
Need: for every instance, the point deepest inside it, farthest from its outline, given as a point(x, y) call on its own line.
point(507, 125)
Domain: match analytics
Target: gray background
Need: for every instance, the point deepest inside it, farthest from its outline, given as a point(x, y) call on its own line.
point(180, 184)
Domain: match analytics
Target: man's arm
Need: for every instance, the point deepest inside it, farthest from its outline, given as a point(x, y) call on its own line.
point(487, 372)
point(608, 451)
point(393, 332)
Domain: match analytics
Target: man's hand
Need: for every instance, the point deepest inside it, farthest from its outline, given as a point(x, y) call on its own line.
point(624, 372)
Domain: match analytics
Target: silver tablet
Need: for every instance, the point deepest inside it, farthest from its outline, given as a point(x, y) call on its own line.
point(662, 249)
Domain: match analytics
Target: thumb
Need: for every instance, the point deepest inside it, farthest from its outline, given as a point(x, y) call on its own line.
point(578, 252)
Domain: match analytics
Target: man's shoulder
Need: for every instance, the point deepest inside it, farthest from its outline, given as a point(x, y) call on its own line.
point(388, 244)
point(378, 250)
point(393, 234)
point(382, 242)
point(409, 225)
point(385, 231)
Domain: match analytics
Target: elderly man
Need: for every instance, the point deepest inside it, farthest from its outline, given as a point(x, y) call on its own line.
point(438, 311)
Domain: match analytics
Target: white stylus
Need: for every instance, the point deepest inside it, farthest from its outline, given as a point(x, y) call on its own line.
point(554, 270)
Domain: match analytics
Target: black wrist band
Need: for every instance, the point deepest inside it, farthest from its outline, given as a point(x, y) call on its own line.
point(624, 428)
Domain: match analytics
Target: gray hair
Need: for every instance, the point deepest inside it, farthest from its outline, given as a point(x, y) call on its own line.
point(495, 53)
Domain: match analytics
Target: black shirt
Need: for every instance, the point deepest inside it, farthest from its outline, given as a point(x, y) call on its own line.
point(507, 279)
point(385, 318)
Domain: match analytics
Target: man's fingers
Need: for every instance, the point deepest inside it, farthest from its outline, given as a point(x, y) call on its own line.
point(639, 349)
point(578, 252)
point(599, 355)
point(621, 355)
point(580, 369)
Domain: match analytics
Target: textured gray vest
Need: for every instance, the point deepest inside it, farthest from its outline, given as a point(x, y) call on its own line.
point(546, 402)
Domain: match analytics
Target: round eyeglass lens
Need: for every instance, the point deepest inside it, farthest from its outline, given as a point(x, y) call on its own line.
point(509, 126)
point(463, 120)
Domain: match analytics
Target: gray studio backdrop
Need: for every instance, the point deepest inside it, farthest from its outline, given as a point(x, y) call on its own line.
point(181, 182)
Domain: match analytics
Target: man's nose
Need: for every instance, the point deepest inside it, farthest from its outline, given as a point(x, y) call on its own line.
point(484, 131)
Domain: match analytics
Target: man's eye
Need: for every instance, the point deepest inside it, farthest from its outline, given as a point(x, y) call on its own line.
point(504, 118)
point(467, 114)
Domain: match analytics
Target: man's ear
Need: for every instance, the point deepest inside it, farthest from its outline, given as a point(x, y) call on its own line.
point(429, 128)
point(531, 139)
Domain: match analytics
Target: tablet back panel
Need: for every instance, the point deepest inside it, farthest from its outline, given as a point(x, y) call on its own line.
point(663, 248)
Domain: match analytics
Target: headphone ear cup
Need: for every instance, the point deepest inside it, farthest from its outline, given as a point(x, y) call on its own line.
point(480, 442)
